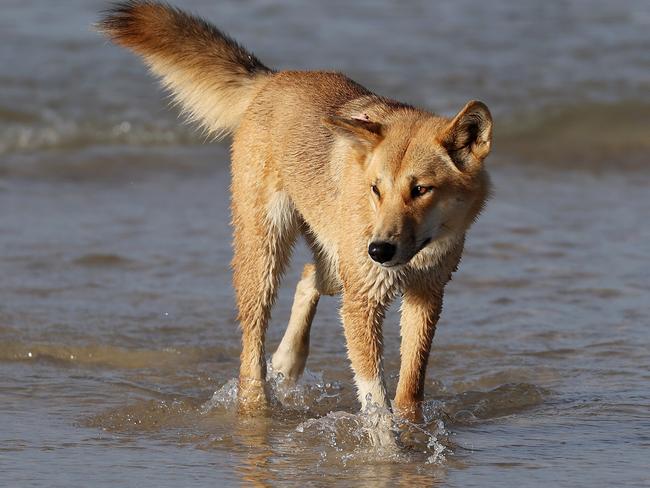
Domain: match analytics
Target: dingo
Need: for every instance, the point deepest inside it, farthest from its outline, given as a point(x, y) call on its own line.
point(383, 193)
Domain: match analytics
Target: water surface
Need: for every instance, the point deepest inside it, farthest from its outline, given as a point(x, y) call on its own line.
point(118, 338)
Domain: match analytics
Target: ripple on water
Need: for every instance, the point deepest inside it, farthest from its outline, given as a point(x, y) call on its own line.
point(146, 416)
point(102, 355)
point(312, 413)
point(474, 406)
point(348, 437)
point(99, 260)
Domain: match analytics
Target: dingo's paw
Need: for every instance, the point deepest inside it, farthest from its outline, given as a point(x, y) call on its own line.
point(253, 399)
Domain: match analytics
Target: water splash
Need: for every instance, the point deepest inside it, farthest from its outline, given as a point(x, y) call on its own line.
point(225, 397)
point(352, 438)
point(312, 393)
point(374, 435)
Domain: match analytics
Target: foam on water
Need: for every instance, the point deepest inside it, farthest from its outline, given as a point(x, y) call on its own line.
point(56, 132)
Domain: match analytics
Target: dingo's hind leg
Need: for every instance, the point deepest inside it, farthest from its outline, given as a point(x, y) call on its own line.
point(266, 226)
point(290, 357)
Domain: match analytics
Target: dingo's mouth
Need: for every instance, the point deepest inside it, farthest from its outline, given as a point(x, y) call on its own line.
point(424, 244)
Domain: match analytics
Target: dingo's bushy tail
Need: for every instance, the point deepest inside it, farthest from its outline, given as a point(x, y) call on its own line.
point(208, 74)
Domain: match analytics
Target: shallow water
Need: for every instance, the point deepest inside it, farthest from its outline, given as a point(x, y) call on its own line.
point(118, 338)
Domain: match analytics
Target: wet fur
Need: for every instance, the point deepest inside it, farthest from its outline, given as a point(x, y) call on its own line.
point(307, 148)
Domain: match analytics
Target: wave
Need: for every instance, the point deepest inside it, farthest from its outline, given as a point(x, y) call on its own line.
point(585, 134)
point(55, 133)
point(582, 135)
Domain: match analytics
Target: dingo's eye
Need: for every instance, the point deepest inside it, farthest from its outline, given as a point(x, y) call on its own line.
point(375, 190)
point(418, 191)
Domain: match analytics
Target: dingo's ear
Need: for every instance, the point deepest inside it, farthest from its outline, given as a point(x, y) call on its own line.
point(360, 131)
point(468, 137)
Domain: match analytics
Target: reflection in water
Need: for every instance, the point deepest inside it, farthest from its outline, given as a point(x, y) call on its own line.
point(256, 468)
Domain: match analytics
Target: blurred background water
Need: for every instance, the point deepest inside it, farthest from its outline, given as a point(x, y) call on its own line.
point(117, 320)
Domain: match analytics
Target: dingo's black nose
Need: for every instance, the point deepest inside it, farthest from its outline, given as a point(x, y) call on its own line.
point(381, 251)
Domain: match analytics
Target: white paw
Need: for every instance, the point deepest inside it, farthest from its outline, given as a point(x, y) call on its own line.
point(289, 364)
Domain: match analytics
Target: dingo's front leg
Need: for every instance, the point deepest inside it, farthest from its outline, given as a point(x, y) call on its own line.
point(362, 323)
point(420, 312)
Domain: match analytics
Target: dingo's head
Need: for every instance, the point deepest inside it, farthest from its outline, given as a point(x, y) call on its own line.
point(424, 176)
